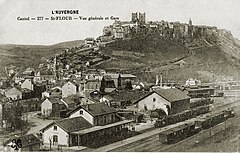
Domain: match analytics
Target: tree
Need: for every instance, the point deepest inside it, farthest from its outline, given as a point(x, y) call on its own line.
point(13, 116)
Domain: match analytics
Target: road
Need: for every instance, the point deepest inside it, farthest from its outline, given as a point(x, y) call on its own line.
point(36, 123)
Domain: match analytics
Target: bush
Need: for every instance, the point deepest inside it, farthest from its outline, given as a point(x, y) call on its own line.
point(154, 115)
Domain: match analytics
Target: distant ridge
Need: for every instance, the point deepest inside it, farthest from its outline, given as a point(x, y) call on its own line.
point(66, 44)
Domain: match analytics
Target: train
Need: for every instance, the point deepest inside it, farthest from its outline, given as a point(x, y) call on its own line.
point(208, 121)
point(178, 133)
point(185, 130)
point(182, 116)
point(201, 102)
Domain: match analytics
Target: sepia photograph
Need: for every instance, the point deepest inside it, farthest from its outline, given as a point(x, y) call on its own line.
point(119, 76)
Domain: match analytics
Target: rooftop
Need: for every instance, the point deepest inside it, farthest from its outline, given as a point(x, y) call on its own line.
point(71, 124)
point(55, 100)
point(172, 94)
point(97, 128)
point(131, 95)
point(95, 109)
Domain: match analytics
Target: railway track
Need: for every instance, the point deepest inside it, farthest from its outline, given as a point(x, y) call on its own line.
point(152, 143)
point(149, 141)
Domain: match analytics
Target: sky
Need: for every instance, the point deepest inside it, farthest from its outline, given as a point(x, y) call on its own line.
point(220, 13)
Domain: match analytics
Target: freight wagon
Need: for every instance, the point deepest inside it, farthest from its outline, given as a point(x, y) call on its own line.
point(208, 121)
point(182, 116)
point(177, 133)
point(183, 131)
point(201, 102)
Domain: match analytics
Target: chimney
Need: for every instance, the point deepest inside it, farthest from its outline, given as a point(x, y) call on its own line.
point(157, 80)
point(161, 83)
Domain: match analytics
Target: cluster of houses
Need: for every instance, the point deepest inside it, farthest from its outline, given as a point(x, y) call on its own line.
point(138, 24)
point(88, 107)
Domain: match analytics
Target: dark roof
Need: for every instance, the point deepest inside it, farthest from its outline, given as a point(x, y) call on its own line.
point(26, 140)
point(95, 109)
point(172, 94)
point(71, 124)
point(46, 72)
point(55, 100)
point(131, 95)
point(69, 100)
point(108, 97)
point(15, 87)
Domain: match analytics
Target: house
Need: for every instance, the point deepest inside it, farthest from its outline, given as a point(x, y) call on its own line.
point(27, 94)
point(59, 132)
point(13, 93)
point(56, 92)
point(109, 90)
point(96, 113)
point(113, 76)
point(118, 33)
point(192, 82)
point(52, 107)
point(69, 89)
point(44, 75)
point(29, 72)
point(107, 99)
point(38, 89)
point(69, 102)
point(92, 85)
point(89, 42)
point(18, 77)
point(96, 95)
point(28, 143)
point(87, 100)
point(27, 84)
point(172, 101)
point(46, 94)
point(4, 82)
point(77, 131)
point(109, 82)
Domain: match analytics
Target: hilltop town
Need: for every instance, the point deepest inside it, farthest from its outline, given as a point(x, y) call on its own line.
point(105, 95)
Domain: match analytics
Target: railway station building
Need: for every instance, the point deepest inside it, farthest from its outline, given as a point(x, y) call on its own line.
point(171, 101)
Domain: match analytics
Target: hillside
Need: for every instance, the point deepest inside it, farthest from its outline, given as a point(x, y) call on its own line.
point(150, 56)
point(68, 44)
point(142, 53)
point(24, 56)
point(147, 57)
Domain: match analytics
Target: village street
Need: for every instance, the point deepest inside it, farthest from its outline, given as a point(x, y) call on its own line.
point(36, 123)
